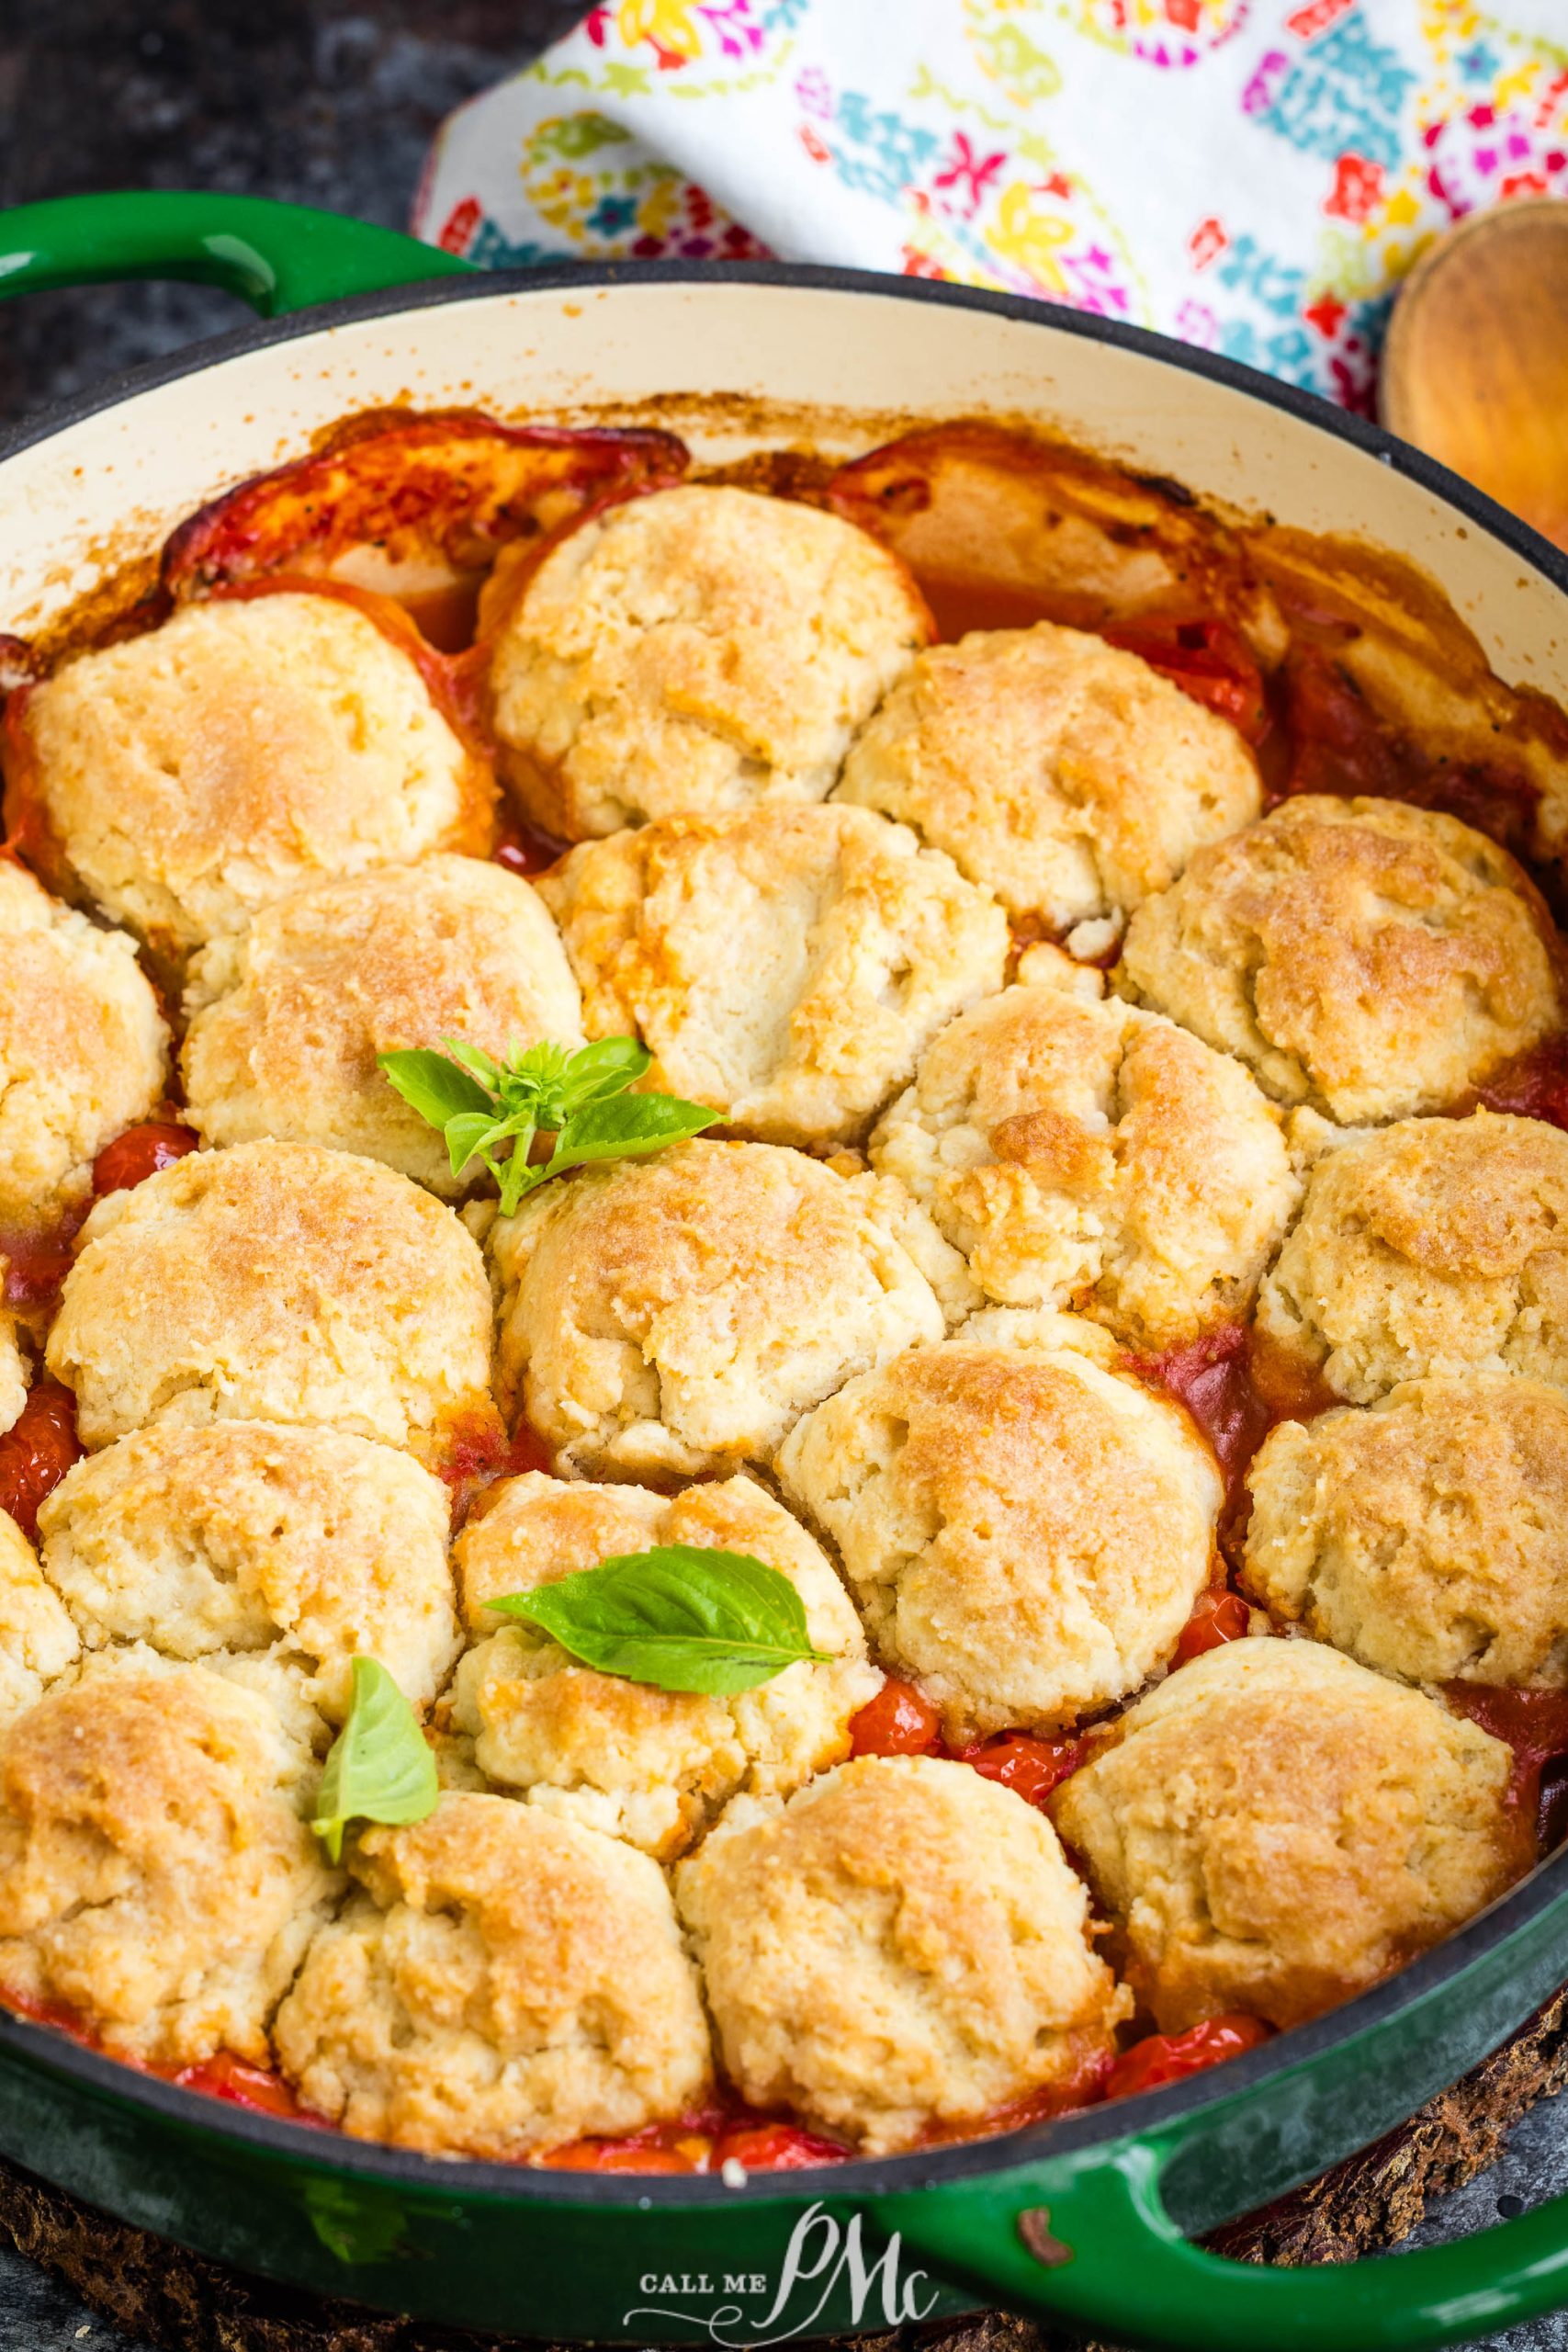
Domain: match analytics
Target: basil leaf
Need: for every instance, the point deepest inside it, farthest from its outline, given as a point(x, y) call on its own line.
point(605, 1069)
point(678, 1616)
point(436, 1087)
point(378, 1768)
point(471, 1133)
point(625, 1125)
point(479, 1065)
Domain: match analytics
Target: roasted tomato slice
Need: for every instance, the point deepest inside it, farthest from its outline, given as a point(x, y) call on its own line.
point(1170, 2057)
point(900, 1721)
point(1002, 530)
point(36, 1451)
point(1209, 659)
point(415, 506)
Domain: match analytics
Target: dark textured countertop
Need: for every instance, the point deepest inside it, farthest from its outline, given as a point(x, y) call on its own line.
point(321, 103)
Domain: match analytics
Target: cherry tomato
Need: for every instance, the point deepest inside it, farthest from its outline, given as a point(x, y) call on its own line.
point(229, 2077)
point(36, 1451)
point(777, 2147)
point(1217, 1616)
point(634, 2154)
point(900, 1721)
point(1170, 2057)
point(140, 1152)
point(37, 1263)
point(1030, 1768)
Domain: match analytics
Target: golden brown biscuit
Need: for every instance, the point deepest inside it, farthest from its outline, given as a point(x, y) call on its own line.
point(1024, 1529)
point(1437, 1246)
point(240, 749)
point(1274, 1828)
point(651, 1766)
point(1428, 1536)
point(507, 1982)
point(674, 1317)
point(1088, 1155)
point(83, 1050)
point(276, 1281)
point(14, 1373)
point(288, 1016)
point(38, 1641)
point(700, 648)
point(1067, 777)
point(155, 1874)
point(260, 1550)
point(1363, 956)
point(902, 1945)
point(785, 966)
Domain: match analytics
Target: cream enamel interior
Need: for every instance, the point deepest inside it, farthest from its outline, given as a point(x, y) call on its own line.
point(773, 356)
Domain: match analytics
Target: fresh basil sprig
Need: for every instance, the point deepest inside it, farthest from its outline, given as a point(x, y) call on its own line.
point(378, 1768)
point(677, 1616)
point(483, 1106)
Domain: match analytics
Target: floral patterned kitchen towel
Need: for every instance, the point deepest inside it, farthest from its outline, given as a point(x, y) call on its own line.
point(1254, 176)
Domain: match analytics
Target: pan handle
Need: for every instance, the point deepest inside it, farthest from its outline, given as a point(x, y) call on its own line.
point(1105, 2253)
point(277, 257)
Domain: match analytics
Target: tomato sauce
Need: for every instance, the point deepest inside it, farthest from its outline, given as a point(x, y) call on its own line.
point(1534, 1724)
point(1210, 661)
point(523, 849)
point(479, 1454)
point(1534, 1085)
point(37, 1263)
point(36, 1451)
point(1338, 744)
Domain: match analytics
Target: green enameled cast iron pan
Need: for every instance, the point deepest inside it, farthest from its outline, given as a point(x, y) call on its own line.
point(1087, 2220)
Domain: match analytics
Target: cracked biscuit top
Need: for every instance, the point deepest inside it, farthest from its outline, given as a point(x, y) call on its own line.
point(785, 967)
point(1061, 772)
point(698, 649)
point(1364, 958)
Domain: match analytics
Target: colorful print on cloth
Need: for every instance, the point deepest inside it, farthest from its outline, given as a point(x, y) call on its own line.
point(1254, 176)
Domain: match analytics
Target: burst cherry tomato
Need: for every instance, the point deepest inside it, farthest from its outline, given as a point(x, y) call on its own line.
point(229, 2077)
point(634, 2154)
point(900, 1721)
point(777, 2147)
point(37, 1263)
point(1170, 2057)
point(1217, 1616)
point(1030, 1768)
point(140, 1152)
point(36, 1451)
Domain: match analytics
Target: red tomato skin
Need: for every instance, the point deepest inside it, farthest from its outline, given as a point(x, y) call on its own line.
point(777, 2147)
point(1032, 1768)
point(1218, 1616)
point(138, 1153)
point(36, 1451)
point(900, 1721)
point(1171, 2057)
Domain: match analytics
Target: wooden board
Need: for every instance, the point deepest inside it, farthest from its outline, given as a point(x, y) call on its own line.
point(186, 2304)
